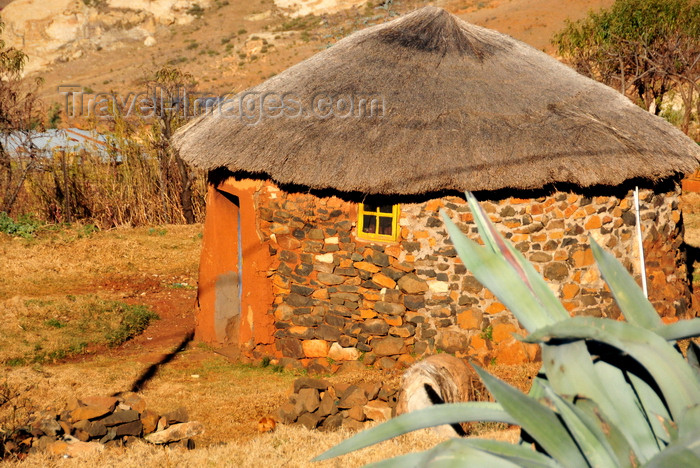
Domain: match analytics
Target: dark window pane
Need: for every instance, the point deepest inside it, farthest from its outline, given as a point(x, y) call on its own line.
point(386, 209)
point(385, 225)
point(369, 224)
point(369, 207)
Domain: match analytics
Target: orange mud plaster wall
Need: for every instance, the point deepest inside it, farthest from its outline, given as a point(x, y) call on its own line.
point(222, 317)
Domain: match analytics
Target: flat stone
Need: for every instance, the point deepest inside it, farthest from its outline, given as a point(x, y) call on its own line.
point(330, 278)
point(133, 428)
point(105, 402)
point(377, 410)
point(332, 422)
point(413, 302)
point(308, 399)
point(556, 271)
point(385, 363)
point(452, 341)
point(371, 389)
point(327, 406)
point(338, 353)
point(120, 417)
point(308, 382)
point(290, 347)
point(89, 412)
point(411, 284)
point(309, 420)
point(388, 346)
point(315, 348)
point(389, 308)
point(353, 396)
point(75, 449)
point(176, 432)
point(357, 413)
point(327, 333)
point(375, 326)
point(149, 419)
point(287, 413)
point(135, 402)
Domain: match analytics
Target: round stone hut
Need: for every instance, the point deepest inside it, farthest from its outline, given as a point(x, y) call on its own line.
point(322, 237)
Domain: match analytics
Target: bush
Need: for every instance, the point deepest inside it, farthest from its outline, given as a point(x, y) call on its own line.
point(135, 320)
point(24, 226)
point(609, 393)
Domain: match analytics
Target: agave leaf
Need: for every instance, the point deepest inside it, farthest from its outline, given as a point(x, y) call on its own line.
point(680, 330)
point(477, 452)
point(449, 413)
point(491, 237)
point(634, 306)
point(494, 272)
point(643, 435)
point(689, 424)
point(694, 358)
point(537, 420)
point(614, 436)
point(681, 453)
point(654, 408)
point(454, 454)
point(587, 432)
point(668, 368)
point(522, 455)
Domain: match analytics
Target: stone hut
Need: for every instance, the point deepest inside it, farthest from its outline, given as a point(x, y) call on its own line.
point(322, 238)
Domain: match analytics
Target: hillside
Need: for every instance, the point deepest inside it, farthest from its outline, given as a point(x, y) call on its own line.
point(230, 46)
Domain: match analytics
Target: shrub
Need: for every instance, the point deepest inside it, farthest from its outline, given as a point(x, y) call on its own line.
point(609, 393)
point(135, 320)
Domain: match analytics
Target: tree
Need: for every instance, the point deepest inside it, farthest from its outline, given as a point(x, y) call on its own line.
point(19, 118)
point(170, 87)
point(644, 48)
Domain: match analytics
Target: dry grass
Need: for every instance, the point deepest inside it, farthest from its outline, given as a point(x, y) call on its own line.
point(68, 260)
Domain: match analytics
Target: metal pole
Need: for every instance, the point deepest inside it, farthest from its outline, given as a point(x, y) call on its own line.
point(642, 266)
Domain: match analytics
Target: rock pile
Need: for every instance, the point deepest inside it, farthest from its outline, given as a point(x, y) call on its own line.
point(89, 424)
point(318, 404)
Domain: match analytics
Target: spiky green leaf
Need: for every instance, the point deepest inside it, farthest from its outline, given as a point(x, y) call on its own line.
point(634, 306)
point(679, 330)
point(427, 417)
point(662, 361)
point(539, 421)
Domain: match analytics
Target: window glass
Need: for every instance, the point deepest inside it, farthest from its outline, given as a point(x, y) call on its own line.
point(369, 224)
point(378, 222)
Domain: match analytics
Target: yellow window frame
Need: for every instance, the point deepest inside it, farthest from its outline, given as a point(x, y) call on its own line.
point(376, 236)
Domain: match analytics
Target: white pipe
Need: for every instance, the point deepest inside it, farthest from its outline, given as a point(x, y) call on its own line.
point(642, 266)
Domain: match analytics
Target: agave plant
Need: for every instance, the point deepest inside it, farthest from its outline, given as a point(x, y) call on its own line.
point(609, 393)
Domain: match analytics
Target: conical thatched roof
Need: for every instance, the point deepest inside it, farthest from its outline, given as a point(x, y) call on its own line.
point(465, 108)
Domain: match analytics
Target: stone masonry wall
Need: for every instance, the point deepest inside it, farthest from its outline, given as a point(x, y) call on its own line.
point(340, 298)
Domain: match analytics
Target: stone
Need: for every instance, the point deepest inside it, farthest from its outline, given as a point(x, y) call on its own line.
point(330, 278)
point(452, 341)
point(357, 413)
point(349, 367)
point(89, 412)
point(540, 257)
point(176, 432)
point(438, 287)
point(385, 363)
point(287, 413)
point(327, 333)
point(389, 308)
point(388, 346)
point(108, 403)
point(133, 428)
point(315, 348)
point(353, 396)
point(178, 415)
point(309, 420)
point(470, 319)
point(290, 347)
point(377, 410)
point(556, 271)
point(319, 366)
point(338, 353)
point(308, 399)
point(325, 258)
point(383, 281)
point(411, 284)
point(327, 406)
point(371, 389)
point(413, 302)
point(332, 422)
point(149, 420)
point(120, 417)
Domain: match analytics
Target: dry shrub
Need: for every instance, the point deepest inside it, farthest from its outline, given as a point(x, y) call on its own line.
point(128, 186)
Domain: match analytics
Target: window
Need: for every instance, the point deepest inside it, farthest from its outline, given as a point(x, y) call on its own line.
point(378, 222)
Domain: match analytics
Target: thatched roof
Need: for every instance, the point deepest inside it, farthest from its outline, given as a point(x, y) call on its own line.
point(465, 108)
